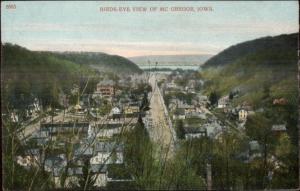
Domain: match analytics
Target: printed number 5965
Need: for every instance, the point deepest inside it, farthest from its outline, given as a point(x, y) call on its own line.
point(11, 6)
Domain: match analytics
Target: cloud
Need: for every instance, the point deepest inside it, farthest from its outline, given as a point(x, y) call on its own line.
point(51, 27)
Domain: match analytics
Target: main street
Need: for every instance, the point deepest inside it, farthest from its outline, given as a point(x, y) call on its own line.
point(161, 132)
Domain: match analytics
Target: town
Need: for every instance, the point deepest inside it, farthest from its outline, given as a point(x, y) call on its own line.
point(155, 95)
point(87, 134)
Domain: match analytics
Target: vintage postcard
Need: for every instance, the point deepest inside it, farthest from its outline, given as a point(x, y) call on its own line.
point(149, 95)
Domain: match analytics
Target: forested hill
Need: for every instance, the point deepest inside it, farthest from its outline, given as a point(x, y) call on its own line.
point(273, 50)
point(26, 74)
point(256, 68)
point(102, 61)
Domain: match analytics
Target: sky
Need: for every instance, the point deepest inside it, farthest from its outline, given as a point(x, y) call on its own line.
point(81, 26)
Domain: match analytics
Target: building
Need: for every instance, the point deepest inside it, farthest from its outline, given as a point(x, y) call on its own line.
point(187, 108)
point(254, 150)
point(223, 102)
point(194, 132)
point(278, 129)
point(118, 178)
point(179, 114)
point(55, 164)
point(243, 114)
point(50, 129)
point(131, 110)
point(281, 101)
point(106, 89)
point(115, 113)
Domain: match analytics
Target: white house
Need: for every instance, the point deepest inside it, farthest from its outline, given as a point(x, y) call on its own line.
point(223, 102)
point(115, 111)
point(107, 153)
point(14, 117)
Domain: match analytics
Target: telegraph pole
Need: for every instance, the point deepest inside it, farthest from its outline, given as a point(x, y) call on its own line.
point(208, 176)
point(298, 125)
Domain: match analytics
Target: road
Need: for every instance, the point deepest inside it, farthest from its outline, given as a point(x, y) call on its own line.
point(161, 131)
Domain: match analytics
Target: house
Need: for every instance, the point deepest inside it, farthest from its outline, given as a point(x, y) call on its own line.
point(55, 164)
point(254, 145)
point(190, 88)
point(34, 154)
point(131, 110)
point(173, 104)
point(281, 101)
point(187, 108)
point(278, 129)
point(213, 128)
point(118, 177)
point(107, 153)
point(194, 132)
point(36, 104)
point(73, 177)
point(109, 128)
point(192, 84)
point(171, 85)
point(179, 114)
point(196, 114)
point(99, 173)
point(28, 160)
point(223, 102)
point(115, 112)
point(243, 115)
point(79, 109)
point(254, 150)
point(83, 151)
point(33, 108)
point(14, 117)
point(63, 128)
point(108, 147)
point(106, 89)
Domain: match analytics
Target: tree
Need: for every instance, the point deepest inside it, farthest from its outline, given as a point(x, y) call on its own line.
point(213, 98)
point(145, 103)
point(258, 127)
point(231, 94)
point(179, 129)
point(86, 182)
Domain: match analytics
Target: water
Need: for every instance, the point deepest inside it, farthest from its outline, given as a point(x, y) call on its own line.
point(172, 67)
